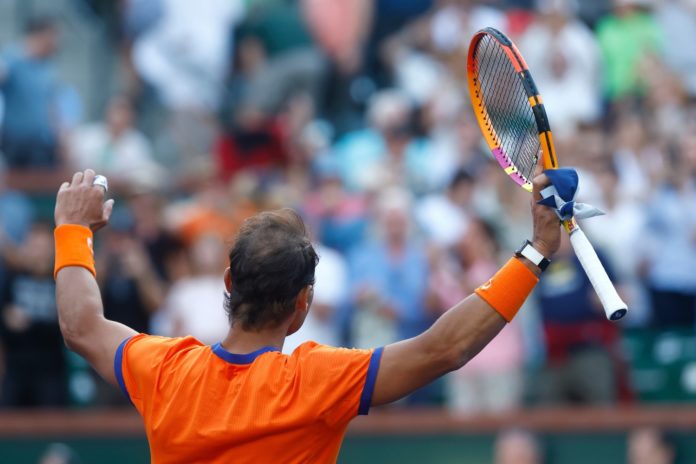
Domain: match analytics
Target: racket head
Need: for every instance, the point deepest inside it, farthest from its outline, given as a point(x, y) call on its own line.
point(508, 107)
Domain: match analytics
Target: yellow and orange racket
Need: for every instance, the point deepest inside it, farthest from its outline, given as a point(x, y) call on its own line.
point(513, 121)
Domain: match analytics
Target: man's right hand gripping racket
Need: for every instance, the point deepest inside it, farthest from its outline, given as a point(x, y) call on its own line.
point(513, 121)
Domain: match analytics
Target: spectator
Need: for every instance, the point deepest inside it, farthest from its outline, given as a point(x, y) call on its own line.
point(255, 141)
point(341, 31)
point(185, 60)
point(277, 57)
point(194, 304)
point(339, 217)
point(666, 102)
point(214, 208)
point(59, 453)
point(16, 214)
point(632, 154)
point(649, 445)
point(498, 201)
point(30, 88)
point(444, 33)
point(165, 250)
point(671, 223)
point(389, 16)
point(455, 135)
point(626, 38)
point(677, 20)
point(115, 148)
point(444, 216)
point(388, 276)
point(185, 63)
point(131, 288)
point(517, 447)
point(580, 342)
point(388, 152)
point(565, 58)
point(33, 346)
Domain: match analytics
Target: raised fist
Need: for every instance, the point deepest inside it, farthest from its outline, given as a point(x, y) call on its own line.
point(81, 202)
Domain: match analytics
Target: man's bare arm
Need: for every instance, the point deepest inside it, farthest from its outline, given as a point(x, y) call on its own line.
point(80, 312)
point(460, 333)
point(85, 329)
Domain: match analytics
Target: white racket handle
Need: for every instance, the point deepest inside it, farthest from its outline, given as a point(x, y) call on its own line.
point(614, 306)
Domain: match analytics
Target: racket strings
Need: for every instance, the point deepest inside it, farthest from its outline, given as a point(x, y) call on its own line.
point(507, 106)
point(498, 100)
point(511, 108)
point(491, 101)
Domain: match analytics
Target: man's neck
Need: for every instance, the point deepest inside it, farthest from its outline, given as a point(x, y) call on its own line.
point(240, 341)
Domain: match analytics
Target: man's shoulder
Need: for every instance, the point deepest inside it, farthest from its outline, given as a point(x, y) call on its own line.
point(316, 351)
point(304, 348)
point(161, 346)
point(311, 348)
point(146, 355)
point(188, 340)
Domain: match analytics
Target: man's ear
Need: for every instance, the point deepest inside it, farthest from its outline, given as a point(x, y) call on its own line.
point(302, 304)
point(228, 280)
point(304, 298)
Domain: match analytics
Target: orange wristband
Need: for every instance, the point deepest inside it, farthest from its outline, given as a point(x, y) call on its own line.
point(508, 288)
point(73, 248)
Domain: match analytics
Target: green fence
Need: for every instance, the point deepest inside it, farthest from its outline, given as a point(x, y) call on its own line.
point(438, 449)
point(663, 365)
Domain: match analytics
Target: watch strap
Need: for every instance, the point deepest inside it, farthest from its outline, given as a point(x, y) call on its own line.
point(528, 251)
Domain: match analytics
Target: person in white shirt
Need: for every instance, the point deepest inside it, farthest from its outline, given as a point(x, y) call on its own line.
point(193, 304)
point(115, 148)
point(443, 217)
point(185, 55)
point(564, 57)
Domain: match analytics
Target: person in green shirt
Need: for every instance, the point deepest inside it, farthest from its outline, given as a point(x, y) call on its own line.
point(626, 37)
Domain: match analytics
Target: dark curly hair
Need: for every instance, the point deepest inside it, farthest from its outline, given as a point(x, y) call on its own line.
point(271, 261)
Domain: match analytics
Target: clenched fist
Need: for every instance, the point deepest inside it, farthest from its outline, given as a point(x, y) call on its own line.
point(80, 202)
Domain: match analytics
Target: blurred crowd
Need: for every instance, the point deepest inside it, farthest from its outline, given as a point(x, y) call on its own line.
point(356, 114)
point(646, 445)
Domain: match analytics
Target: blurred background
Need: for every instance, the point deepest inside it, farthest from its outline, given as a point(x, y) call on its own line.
point(356, 114)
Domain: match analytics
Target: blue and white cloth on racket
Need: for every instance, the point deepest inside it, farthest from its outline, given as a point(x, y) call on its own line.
point(560, 195)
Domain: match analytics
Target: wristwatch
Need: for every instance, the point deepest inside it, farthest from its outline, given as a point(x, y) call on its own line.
point(532, 254)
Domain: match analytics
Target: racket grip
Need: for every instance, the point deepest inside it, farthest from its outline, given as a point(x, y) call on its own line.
point(614, 306)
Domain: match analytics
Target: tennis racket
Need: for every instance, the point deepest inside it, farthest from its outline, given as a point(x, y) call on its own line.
point(513, 121)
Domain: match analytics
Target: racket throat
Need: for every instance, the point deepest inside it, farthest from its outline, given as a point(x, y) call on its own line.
point(570, 225)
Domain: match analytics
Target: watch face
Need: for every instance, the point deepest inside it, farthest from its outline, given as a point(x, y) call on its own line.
point(528, 251)
point(532, 255)
point(519, 251)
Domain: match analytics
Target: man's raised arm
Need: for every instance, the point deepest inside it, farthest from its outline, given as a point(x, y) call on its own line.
point(460, 333)
point(80, 209)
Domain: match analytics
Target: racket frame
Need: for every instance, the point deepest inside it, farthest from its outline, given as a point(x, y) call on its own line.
point(545, 136)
